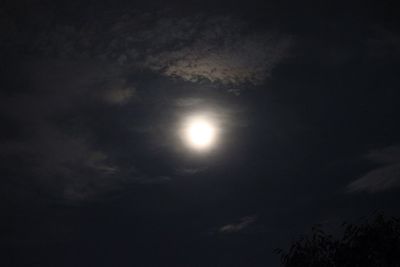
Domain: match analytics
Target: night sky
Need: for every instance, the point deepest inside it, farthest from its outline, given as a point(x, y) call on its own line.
point(96, 169)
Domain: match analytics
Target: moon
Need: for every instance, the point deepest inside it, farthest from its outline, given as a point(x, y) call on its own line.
point(200, 133)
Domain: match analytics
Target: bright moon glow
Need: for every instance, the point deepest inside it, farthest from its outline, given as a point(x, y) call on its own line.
point(200, 133)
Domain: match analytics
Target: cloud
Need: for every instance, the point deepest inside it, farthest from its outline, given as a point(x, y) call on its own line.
point(63, 165)
point(217, 49)
point(190, 171)
point(224, 58)
point(383, 178)
point(154, 180)
point(239, 226)
point(70, 101)
point(55, 143)
point(117, 92)
point(387, 155)
point(383, 44)
point(378, 180)
point(188, 101)
point(118, 96)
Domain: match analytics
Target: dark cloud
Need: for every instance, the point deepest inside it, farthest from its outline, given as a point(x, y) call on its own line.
point(190, 171)
point(217, 49)
point(387, 155)
point(221, 53)
point(383, 44)
point(154, 180)
point(117, 92)
point(56, 145)
point(383, 178)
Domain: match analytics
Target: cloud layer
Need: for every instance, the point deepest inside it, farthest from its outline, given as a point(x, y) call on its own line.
point(217, 49)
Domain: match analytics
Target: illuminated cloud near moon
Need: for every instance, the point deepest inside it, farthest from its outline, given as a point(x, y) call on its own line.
point(217, 49)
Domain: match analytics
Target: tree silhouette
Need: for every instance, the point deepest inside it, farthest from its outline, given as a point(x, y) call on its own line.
point(374, 243)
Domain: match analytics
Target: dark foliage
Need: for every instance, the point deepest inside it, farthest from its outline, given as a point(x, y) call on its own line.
point(374, 243)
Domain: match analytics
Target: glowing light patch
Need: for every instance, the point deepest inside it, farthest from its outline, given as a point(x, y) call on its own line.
point(200, 133)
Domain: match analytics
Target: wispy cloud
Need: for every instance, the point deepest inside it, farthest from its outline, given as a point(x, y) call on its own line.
point(190, 171)
point(383, 178)
point(239, 226)
point(188, 101)
point(383, 44)
point(117, 92)
point(58, 148)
